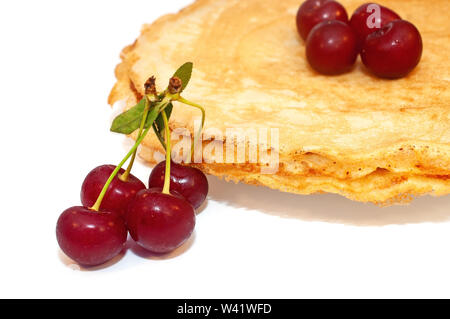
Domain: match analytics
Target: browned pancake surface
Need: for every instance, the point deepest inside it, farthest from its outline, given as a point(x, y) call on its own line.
point(366, 138)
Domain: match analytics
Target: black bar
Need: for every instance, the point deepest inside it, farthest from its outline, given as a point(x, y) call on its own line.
point(204, 308)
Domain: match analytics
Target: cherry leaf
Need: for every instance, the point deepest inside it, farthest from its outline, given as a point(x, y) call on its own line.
point(184, 72)
point(129, 121)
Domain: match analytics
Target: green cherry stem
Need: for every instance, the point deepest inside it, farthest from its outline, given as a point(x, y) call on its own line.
point(139, 140)
point(114, 173)
point(124, 176)
point(166, 188)
point(187, 102)
point(196, 137)
point(172, 97)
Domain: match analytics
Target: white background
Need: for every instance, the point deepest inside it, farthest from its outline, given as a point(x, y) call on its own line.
point(56, 70)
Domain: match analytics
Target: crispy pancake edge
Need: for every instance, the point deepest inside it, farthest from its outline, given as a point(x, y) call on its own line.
point(390, 187)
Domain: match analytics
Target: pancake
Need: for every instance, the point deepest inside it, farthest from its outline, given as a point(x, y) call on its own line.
point(365, 138)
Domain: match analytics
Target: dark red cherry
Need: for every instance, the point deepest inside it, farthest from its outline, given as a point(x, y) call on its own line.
point(331, 47)
point(312, 12)
point(189, 182)
point(90, 238)
point(119, 193)
point(392, 51)
point(160, 222)
point(369, 18)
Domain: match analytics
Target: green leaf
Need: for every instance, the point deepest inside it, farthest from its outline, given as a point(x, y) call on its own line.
point(152, 115)
point(184, 72)
point(129, 121)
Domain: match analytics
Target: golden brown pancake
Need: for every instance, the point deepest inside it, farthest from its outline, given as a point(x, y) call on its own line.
point(365, 138)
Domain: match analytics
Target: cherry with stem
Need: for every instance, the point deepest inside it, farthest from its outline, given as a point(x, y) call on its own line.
point(132, 151)
point(89, 236)
point(189, 182)
point(122, 188)
point(158, 220)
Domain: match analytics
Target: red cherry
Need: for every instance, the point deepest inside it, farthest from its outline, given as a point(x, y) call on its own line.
point(160, 222)
point(364, 23)
point(312, 12)
point(189, 182)
point(331, 47)
point(119, 193)
point(393, 51)
point(90, 238)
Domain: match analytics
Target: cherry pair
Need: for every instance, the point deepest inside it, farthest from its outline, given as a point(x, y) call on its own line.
point(389, 47)
point(158, 222)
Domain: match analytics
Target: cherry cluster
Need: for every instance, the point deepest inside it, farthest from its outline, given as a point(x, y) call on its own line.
point(159, 218)
point(389, 46)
